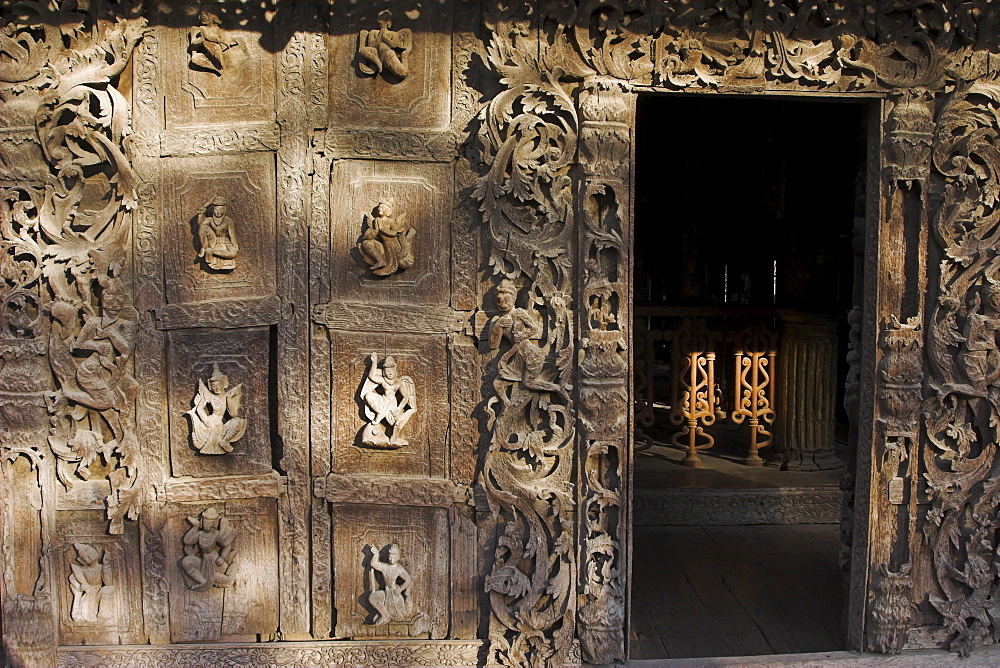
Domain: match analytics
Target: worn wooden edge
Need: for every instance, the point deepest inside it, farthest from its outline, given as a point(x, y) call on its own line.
point(222, 313)
point(269, 485)
point(351, 316)
point(817, 505)
point(391, 490)
point(316, 653)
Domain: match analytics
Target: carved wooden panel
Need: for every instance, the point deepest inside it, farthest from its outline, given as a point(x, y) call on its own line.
point(422, 537)
point(220, 67)
point(247, 605)
point(247, 184)
point(421, 357)
point(421, 193)
point(242, 356)
point(97, 604)
point(415, 93)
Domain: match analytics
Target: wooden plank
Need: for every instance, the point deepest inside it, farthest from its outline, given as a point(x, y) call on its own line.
point(644, 641)
point(684, 626)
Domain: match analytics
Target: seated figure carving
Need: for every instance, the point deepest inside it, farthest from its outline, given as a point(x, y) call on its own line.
point(387, 243)
point(215, 418)
point(385, 51)
point(208, 550)
point(217, 236)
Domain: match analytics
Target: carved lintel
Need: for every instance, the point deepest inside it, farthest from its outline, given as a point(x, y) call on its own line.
point(391, 490)
point(395, 144)
point(221, 489)
point(389, 318)
point(223, 313)
point(234, 138)
point(336, 653)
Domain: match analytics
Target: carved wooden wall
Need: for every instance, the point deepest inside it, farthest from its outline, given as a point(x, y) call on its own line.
point(315, 320)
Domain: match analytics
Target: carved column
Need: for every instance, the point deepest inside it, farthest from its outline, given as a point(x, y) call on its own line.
point(607, 112)
point(807, 392)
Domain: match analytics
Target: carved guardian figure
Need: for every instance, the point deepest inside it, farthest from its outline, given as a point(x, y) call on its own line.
point(387, 243)
point(90, 582)
point(385, 51)
point(389, 400)
point(209, 551)
point(389, 584)
point(212, 49)
point(215, 418)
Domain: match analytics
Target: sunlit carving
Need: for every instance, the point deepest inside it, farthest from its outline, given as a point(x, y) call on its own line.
point(211, 48)
point(390, 400)
point(385, 51)
point(209, 551)
point(90, 582)
point(215, 418)
point(387, 243)
point(389, 585)
point(217, 236)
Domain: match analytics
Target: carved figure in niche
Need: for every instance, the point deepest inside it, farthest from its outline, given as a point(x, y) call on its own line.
point(390, 400)
point(211, 48)
point(217, 236)
point(391, 597)
point(90, 582)
point(385, 51)
point(387, 243)
point(979, 346)
point(209, 552)
point(215, 418)
point(524, 361)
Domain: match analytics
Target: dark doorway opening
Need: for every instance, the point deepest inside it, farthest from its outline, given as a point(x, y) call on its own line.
point(749, 225)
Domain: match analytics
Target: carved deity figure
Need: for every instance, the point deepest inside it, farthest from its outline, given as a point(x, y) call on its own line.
point(525, 359)
point(90, 582)
point(979, 346)
point(390, 400)
point(384, 50)
point(208, 550)
point(391, 597)
point(211, 48)
point(217, 236)
point(215, 418)
point(108, 340)
point(387, 244)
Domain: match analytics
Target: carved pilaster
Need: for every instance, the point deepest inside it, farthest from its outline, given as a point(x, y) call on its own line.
point(606, 111)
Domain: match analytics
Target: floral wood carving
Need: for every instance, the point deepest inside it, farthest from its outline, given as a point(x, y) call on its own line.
point(215, 418)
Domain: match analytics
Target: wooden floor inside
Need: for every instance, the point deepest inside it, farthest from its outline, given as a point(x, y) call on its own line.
point(735, 591)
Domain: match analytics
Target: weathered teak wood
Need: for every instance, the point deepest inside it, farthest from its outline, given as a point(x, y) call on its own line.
point(503, 134)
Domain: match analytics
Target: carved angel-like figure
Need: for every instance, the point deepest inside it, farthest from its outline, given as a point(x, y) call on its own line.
point(980, 357)
point(215, 418)
point(525, 359)
point(390, 400)
point(391, 600)
point(90, 582)
point(217, 236)
point(387, 244)
point(384, 50)
point(209, 552)
point(211, 48)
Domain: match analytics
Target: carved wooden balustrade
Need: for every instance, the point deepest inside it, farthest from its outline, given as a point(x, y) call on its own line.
point(710, 359)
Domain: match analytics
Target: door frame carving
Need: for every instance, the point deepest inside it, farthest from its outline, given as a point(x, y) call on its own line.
point(555, 146)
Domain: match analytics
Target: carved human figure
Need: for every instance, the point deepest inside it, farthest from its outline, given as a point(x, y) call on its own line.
point(217, 236)
point(391, 597)
point(108, 339)
point(215, 418)
point(390, 400)
point(384, 50)
point(211, 48)
point(208, 550)
point(979, 346)
point(525, 359)
point(90, 582)
point(387, 243)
